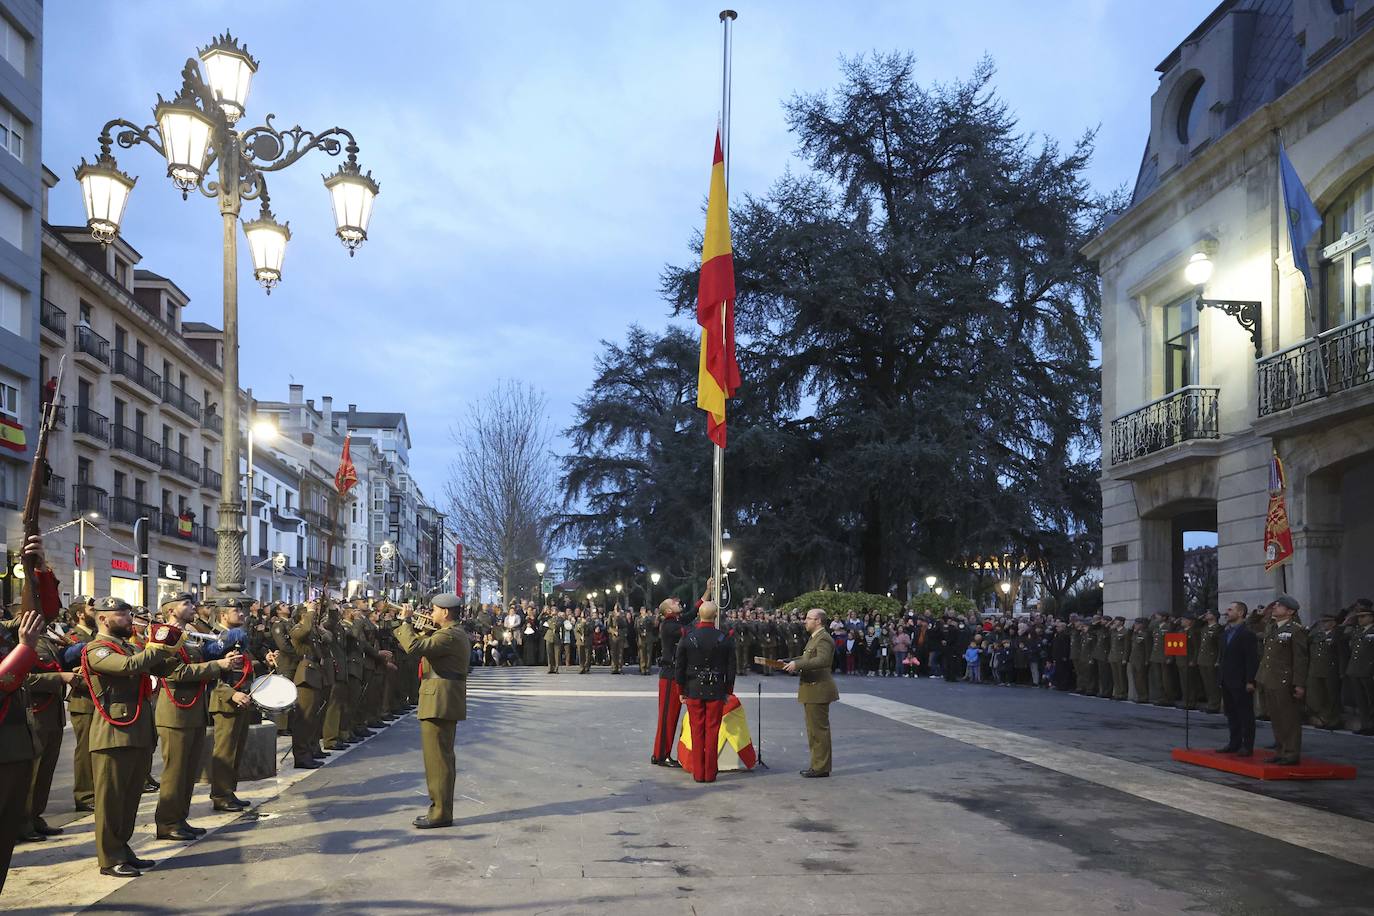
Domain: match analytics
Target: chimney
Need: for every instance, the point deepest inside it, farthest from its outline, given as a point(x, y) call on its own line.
point(328, 410)
point(297, 394)
point(352, 408)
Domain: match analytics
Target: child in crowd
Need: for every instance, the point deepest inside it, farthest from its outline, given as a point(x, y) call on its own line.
point(973, 655)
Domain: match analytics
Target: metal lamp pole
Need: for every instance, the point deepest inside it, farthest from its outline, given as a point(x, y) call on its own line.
point(196, 130)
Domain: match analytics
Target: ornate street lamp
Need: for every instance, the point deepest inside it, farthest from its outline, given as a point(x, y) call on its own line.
point(196, 132)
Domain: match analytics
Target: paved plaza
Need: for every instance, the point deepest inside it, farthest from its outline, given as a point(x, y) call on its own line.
point(946, 798)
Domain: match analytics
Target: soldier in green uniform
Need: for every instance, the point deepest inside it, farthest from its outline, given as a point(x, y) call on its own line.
point(231, 713)
point(1116, 658)
point(793, 636)
point(738, 630)
point(303, 665)
point(1101, 658)
point(445, 656)
point(1282, 678)
point(121, 736)
point(338, 718)
point(1163, 676)
point(181, 718)
point(816, 690)
point(1077, 636)
point(79, 710)
point(1209, 634)
point(553, 630)
point(1323, 674)
point(1185, 666)
point(768, 642)
point(583, 634)
point(1359, 668)
point(1139, 659)
point(644, 639)
point(617, 628)
point(45, 685)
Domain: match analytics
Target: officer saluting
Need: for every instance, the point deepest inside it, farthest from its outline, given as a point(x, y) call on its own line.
point(1283, 678)
point(445, 657)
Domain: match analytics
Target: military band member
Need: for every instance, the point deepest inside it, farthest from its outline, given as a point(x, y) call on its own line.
point(18, 655)
point(553, 631)
point(308, 673)
point(79, 710)
point(230, 709)
point(338, 717)
point(705, 678)
point(816, 690)
point(445, 654)
point(1283, 677)
point(583, 633)
point(116, 675)
point(616, 630)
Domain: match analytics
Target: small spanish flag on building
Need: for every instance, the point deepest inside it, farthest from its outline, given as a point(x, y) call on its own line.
point(735, 747)
point(12, 435)
point(186, 526)
point(1175, 643)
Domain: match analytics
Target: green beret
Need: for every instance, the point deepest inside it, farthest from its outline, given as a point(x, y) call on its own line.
point(112, 603)
point(447, 600)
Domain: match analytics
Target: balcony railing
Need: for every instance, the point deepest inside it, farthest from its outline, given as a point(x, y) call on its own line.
point(53, 318)
point(92, 344)
point(130, 440)
point(172, 527)
point(132, 368)
point(180, 465)
point(211, 480)
point(92, 424)
point(88, 498)
point(1336, 360)
point(1180, 416)
point(55, 490)
point(205, 536)
point(126, 511)
point(179, 399)
point(213, 422)
point(318, 519)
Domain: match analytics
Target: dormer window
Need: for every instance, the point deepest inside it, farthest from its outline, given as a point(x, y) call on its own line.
point(1190, 113)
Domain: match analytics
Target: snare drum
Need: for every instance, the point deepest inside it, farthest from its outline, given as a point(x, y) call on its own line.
point(273, 693)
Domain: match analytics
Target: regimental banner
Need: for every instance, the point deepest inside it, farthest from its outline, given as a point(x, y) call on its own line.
point(1278, 537)
point(458, 571)
point(1175, 643)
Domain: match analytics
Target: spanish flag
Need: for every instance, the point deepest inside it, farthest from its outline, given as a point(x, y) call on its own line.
point(734, 746)
point(717, 373)
point(186, 526)
point(12, 435)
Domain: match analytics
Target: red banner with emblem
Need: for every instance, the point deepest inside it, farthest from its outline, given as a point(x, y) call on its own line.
point(458, 571)
point(1175, 644)
point(1278, 537)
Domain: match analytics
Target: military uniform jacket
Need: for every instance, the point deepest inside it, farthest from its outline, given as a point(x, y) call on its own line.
point(644, 629)
point(582, 630)
point(1121, 643)
point(1208, 648)
point(181, 703)
point(1101, 645)
point(78, 700)
point(444, 659)
point(45, 688)
point(616, 627)
point(816, 685)
point(117, 679)
point(17, 739)
point(1284, 662)
point(552, 624)
point(669, 633)
point(1140, 647)
point(1157, 656)
point(310, 650)
point(353, 650)
point(1322, 655)
point(288, 656)
point(1361, 663)
point(706, 664)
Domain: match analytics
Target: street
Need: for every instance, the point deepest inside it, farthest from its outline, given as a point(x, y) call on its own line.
point(945, 797)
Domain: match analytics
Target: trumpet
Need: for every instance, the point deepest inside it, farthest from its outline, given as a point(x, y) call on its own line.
point(424, 621)
point(147, 623)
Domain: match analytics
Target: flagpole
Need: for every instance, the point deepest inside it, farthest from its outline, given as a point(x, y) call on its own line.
point(727, 17)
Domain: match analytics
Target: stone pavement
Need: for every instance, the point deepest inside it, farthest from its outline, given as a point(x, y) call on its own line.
point(946, 798)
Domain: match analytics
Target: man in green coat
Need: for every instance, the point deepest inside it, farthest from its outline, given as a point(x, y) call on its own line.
point(1323, 674)
point(1208, 654)
point(553, 630)
point(1138, 658)
point(445, 655)
point(1282, 678)
point(816, 690)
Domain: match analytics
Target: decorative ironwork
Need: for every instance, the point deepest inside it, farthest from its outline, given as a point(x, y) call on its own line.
point(1183, 415)
point(92, 344)
point(1245, 311)
point(1336, 360)
point(53, 318)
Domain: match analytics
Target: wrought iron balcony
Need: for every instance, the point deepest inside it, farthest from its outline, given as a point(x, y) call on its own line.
point(1336, 360)
point(206, 536)
point(178, 398)
point(126, 510)
point(135, 443)
point(92, 344)
point(92, 424)
point(180, 465)
point(53, 318)
point(88, 498)
point(173, 528)
point(133, 368)
point(1180, 416)
point(55, 490)
point(211, 480)
point(318, 520)
point(214, 423)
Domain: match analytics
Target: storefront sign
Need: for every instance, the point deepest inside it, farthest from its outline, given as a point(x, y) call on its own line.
point(119, 565)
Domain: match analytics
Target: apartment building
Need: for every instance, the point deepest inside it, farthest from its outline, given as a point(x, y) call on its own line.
point(1209, 369)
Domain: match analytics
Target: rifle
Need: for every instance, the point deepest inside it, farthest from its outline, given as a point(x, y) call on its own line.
point(39, 472)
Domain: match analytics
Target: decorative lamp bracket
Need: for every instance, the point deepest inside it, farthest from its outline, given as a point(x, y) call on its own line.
point(1245, 311)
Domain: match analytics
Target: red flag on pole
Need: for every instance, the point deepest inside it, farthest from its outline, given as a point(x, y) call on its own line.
point(1278, 536)
point(346, 477)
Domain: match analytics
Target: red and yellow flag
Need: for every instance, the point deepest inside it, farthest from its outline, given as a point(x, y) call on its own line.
point(12, 435)
point(346, 477)
point(1278, 537)
point(717, 373)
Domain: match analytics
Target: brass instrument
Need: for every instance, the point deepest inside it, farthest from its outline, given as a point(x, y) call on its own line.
point(146, 623)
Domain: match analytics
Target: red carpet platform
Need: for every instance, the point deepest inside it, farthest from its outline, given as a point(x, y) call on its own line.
point(1309, 768)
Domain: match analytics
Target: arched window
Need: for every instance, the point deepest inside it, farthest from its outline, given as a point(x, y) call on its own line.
point(1345, 264)
point(1190, 113)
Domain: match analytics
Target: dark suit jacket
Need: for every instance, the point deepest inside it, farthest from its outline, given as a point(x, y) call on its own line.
point(1239, 658)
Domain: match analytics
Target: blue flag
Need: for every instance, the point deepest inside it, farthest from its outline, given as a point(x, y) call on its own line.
point(1303, 218)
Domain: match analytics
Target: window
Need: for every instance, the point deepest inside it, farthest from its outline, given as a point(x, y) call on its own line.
point(9, 400)
point(1180, 345)
point(11, 308)
point(83, 471)
point(84, 309)
point(12, 133)
point(121, 272)
point(119, 483)
point(1191, 112)
point(14, 47)
point(1345, 268)
point(11, 222)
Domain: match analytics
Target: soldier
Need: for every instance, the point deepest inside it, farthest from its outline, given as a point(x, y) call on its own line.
point(1360, 667)
point(1101, 657)
point(1282, 676)
point(181, 718)
point(669, 694)
point(1139, 659)
point(617, 628)
point(1116, 658)
point(738, 631)
point(583, 634)
point(644, 641)
point(445, 654)
point(705, 678)
point(79, 710)
point(553, 629)
point(1323, 675)
point(229, 710)
point(338, 716)
point(356, 669)
point(768, 642)
point(307, 673)
point(121, 736)
point(18, 655)
point(1208, 653)
point(1163, 676)
point(816, 690)
point(1185, 666)
point(793, 636)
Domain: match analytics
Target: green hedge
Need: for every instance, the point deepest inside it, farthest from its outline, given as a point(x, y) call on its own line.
point(839, 604)
point(936, 605)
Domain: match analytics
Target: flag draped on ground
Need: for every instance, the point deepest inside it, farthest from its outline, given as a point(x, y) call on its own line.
point(734, 734)
point(346, 477)
point(717, 373)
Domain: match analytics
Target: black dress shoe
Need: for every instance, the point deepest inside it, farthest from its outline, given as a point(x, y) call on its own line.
point(177, 834)
point(311, 764)
point(1285, 761)
point(191, 828)
point(42, 827)
point(376, 723)
point(33, 836)
point(136, 862)
point(1228, 749)
point(812, 774)
point(670, 762)
point(424, 823)
point(229, 806)
point(152, 785)
point(122, 870)
point(324, 756)
point(238, 801)
point(81, 807)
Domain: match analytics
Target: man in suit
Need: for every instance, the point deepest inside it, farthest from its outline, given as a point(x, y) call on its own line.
point(816, 691)
point(445, 656)
point(1283, 678)
point(1236, 669)
point(706, 678)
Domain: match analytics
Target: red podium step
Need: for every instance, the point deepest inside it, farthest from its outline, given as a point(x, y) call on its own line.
point(1255, 768)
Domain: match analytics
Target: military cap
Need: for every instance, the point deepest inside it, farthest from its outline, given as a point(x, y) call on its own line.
point(111, 603)
point(1289, 602)
point(176, 599)
point(1329, 615)
point(225, 603)
point(447, 600)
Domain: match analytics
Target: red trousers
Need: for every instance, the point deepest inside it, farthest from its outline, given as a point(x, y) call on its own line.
point(669, 710)
point(703, 717)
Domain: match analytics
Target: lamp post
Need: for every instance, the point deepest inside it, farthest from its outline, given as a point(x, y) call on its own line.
point(195, 131)
point(79, 587)
point(618, 588)
point(653, 580)
point(1247, 312)
point(930, 582)
point(539, 568)
point(1005, 587)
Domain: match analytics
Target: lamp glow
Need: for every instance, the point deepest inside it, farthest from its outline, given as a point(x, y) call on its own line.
point(1363, 273)
point(185, 131)
point(229, 70)
point(105, 190)
point(267, 240)
point(1199, 269)
point(352, 194)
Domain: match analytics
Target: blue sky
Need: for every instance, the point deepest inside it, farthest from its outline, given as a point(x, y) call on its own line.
point(539, 162)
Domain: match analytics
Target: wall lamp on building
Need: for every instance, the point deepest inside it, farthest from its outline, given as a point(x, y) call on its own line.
point(197, 132)
point(1246, 311)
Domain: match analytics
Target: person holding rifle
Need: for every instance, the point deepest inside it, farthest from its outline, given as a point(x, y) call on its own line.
point(445, 656)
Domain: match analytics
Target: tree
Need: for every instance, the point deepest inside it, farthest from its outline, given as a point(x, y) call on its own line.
point(915, 324)
point(1200, 579)
point(500, 488)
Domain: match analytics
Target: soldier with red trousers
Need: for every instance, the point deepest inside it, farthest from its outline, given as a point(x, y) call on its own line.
point(669, 693)
point(706, 678)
